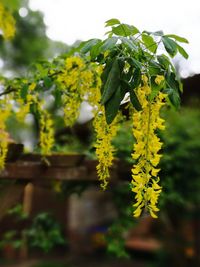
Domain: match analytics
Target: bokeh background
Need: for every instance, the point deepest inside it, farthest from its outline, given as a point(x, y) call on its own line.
point(76, 224)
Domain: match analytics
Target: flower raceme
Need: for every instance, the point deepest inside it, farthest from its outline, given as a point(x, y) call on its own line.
point(74, 82)
point(7, 23)
point(4, 137)
point(104, 132)
point(46, 133)
point(104, 148)
point(146, 149)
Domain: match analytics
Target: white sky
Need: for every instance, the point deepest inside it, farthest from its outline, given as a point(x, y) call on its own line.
point(71, 20)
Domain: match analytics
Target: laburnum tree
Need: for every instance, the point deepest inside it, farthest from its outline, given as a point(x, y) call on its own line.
point(126, 67)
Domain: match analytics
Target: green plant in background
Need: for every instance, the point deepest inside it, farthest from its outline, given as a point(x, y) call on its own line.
point(181, 158)
point(18, 212)
point(123, 142)
point(45, 233)
point(11, 238)
point(117, 232)
point(14, 237)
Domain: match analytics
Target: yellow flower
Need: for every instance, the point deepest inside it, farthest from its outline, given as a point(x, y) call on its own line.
point(7, 23)
point(46, 133)
point(146, 148)
point(76, 81)
point(32, 86)
point(4, 137)
point(159, 79)
point(104, 149)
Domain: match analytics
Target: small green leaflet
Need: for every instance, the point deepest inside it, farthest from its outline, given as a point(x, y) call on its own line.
point(134, 100)
point(24, 91)
point(108, 44)
point(112, 82)
point(149, 42)
point(86, 46)
point(178, 38)
point(164, 61)
point(182, 51)
point(113, 104)
point(47, 82)
point(112, 22)
point(125, 30)
point(173, 96)
point(170, 46)
point(129, 43)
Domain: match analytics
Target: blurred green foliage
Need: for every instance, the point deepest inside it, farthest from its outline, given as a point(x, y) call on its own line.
point(30, 43)
point(115, 237)
point(45, 233)
point(180, 176)
point(123, 142)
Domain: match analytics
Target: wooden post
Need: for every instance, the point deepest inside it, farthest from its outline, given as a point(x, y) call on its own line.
point(27, 207)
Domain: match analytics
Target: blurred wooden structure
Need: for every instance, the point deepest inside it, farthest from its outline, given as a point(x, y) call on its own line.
point(35, 174)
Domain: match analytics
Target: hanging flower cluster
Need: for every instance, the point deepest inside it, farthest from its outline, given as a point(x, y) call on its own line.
point(74, 81)
point(4, 137)
point(104, 132)
point(46, 133)
point(104, 148)
point(146, 149)
point(7, 23)
point(80, 81)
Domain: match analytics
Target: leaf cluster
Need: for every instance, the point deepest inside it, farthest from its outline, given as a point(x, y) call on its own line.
point(127, 54)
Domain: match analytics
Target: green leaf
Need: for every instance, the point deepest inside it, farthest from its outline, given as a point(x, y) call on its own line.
point(34, 110)
point(47, 81)
point(112, 82)
point(178, 38)
point(129, 43)
point(125, 30)
point(149, 42)
point(133, 62)
point(112, 22)
point(136, 79)
point(170, 46)
point(95, 51)
point(164, 61)
point(172, 81)
point(154, 68)
point(125, 86)
point(157, 33)
point(134, 100)
point(24, 91)
point(121, 63)
point(182, 51)
point(108, 44)
point(58, 98)
point(112, 106)
point(86, 46)
point(173, 96)
point(105, 73)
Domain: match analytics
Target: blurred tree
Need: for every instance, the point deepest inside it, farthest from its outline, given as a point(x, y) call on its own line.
point(30, 42)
